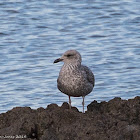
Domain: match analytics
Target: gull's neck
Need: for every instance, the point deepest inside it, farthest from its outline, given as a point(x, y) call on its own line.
point(72, 66)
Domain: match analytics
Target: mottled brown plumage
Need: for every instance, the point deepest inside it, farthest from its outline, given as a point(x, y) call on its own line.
point(74, 79)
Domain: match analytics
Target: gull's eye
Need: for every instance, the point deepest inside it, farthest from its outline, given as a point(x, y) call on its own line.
point(69, 55)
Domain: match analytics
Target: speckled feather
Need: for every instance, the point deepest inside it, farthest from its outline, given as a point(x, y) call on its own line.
point(75, 79)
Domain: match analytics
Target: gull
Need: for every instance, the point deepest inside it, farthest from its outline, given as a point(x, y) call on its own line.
point(74, 79)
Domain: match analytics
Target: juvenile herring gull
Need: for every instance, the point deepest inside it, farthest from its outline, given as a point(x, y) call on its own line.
point(74, 79)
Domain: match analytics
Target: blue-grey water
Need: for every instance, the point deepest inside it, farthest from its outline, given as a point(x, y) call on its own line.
point(33, 33)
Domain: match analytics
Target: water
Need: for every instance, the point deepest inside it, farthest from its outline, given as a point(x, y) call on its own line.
point(34, 33)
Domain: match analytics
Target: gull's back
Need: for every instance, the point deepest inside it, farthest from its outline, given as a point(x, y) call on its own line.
point(89, 75)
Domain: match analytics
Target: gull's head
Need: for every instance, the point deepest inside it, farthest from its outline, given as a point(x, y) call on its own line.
point(70, 56)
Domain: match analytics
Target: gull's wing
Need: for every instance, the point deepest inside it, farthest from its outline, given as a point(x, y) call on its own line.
point(89, 75)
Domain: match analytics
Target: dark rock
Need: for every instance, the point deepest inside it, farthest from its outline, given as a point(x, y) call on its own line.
point(114, 120)
point(65, 105)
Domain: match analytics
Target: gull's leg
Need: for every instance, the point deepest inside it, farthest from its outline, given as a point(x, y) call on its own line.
point(69, 102)
point(83, 103)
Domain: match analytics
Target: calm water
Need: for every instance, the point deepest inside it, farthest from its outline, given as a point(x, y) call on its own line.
point(34, 33)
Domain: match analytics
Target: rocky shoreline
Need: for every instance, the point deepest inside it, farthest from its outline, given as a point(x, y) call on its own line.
point(114, 120)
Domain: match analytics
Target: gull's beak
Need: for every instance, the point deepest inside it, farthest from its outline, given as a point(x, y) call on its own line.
point(58, 60)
